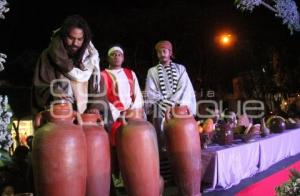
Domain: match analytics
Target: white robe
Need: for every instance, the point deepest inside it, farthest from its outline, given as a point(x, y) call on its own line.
point(184, 94)
point(78, 79)
point(124, 92)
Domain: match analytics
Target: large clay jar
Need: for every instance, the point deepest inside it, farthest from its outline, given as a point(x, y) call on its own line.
point(138, 155)
point(59, 153)
point(98, 156)
point(184, 146)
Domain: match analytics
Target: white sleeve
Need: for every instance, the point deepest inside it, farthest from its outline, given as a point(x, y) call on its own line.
point(185, 94)
point(153, 93)
point(78, 75)
point(138, 101)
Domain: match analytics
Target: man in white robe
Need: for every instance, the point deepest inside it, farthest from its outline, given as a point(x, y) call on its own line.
point(68, 69)
point(167, 84)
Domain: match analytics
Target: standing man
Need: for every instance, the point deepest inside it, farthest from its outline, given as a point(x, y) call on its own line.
point(167, 84)
point(123, 90)
point(69, 69)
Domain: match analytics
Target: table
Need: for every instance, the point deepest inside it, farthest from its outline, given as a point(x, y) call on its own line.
point(225, 166)
point(278, 146)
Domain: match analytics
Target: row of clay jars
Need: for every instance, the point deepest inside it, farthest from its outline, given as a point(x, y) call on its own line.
point(70, 159)
point(138, 153)
point(60, 155)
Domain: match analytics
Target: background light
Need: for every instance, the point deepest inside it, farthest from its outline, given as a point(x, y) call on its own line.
point(225, 40)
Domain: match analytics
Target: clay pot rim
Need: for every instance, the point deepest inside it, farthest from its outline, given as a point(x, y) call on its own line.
point(136, 113)
point(91, 118)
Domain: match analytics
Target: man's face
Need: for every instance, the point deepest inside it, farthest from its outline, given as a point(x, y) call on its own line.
point(164, 55)
point(74, 40)
point(116, 59)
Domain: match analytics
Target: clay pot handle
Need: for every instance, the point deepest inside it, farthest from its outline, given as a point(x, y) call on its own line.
point(123, 117)
point(168, 114)
point(76, 118)
point(188, 111)
point(99, 120)
point(189, 114)
point(38, 119)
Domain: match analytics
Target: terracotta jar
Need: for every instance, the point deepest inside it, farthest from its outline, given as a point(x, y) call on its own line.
point(98, 156)
point(59, 153)
point(183, 144)
point(138, 155)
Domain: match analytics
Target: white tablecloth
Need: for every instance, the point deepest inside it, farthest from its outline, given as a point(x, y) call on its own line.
point(225, 166)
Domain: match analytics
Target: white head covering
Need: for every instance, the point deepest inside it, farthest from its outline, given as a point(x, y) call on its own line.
point(115, 48)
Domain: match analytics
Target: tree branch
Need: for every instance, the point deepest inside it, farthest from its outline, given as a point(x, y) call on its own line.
point(268, 6)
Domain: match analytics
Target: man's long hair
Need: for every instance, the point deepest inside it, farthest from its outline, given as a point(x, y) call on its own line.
point(78, 22)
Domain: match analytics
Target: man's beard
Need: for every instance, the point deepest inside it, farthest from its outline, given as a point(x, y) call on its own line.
point(71, 50)
point(74, 55)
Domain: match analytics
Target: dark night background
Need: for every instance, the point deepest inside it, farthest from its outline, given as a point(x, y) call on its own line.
point(265, 59)
point(190, 25)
